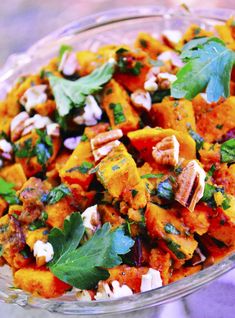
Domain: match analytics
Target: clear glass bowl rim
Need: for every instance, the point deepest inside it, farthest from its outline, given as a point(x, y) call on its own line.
point(147, 299)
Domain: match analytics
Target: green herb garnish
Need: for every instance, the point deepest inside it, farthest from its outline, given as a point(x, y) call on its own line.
point(72, 94)
point(165, 190)
point(227, 151)
point(56, 194)
point(197, 138)
point(171, 229)
point(175, 248)
point(7, 192)
point(84, 266)
point(118, 113)
point(152, 175)
point(208, 66)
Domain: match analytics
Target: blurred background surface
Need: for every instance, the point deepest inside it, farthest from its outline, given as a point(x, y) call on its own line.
point(23, 22)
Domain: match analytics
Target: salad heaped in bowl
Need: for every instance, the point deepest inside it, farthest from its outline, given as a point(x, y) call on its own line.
point(117, 166)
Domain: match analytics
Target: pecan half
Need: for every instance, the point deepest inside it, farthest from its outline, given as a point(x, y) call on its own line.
point(166, 151)
point(104, 150)
point(191, 184)
point(105, 137)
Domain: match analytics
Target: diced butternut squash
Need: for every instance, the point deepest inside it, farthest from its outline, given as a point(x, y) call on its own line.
point(3, 206)
point(217, 121)
point(33, 236)
point(109, 214)
point(198, 221)
point(14, 174)
point(76, 169)
point(150, 45)
point(184, 272)
point(161, 261)
point(40, 282)
point(126, 275)
point(119, 175)
point(116, 103)
point(178, 115)
point(58, 211)
point(145, 139)
point(225, 176)
point(164, 224)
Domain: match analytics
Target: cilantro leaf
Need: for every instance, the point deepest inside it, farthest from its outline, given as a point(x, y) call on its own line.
point(197, 138)
point(227, 151)
point(208, 66)
point(64, 48)
point(70, 94)
point(171, 229)
point(84, 266)
point(56, 194)
point(7, 192)
point(152, 175)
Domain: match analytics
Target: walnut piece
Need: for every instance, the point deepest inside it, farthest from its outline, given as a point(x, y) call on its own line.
point(166, 151)
point(142, 99)
point(191, 184)
point(104, 150)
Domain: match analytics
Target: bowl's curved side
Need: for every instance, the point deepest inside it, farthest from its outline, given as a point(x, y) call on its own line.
point(115, 26)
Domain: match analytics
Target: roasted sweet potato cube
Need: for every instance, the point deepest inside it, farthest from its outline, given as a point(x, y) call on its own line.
point(116, 104)
point(198, 221)
point(178, 115)
point(164, 224)
point(126, 275)
point(32, 237)
point(161, 261)
point(119, 175)
point(15, 174)
point(58, 211)
point(3, 206)
point(109, 214)
point(76, 169)
point(225, 176)
point(150, 45)
point(40, 282)
point(184, 272)
point(217, 121)
point(145, 139)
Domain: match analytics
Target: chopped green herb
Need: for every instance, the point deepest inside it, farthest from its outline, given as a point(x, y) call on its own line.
point(83, 168)
point(56, 194)
point(178, 170)
point(109, 91)
point(208, 65)
point(7, 192)
point(219, 243)
point(36, 225)
point(127, 64)
point(219, 126)
point(84, 266)
point(211, 171)
point(25, 149)
point(3, 228)
point(227, 151)
point(63, 49)
point(158, 95)
point(175, 248)
point(1, 250)
point(197, 138)
point(134, 193)
point(152, 175)
point(165, 190)
point(118, 113)
point(25, 252)
point(143, 43)
point(84, 138)
point(171, 229)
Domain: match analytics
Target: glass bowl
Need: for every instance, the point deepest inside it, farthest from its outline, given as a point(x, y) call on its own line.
point(116, 26)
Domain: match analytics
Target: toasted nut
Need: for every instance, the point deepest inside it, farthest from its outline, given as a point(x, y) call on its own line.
point(191, 184)
point(141, 99)
point(166, 152)
point(153, 72)
point(167, 76)
point(173, 36)
point(171, 56)
point(53, 129)
point(104, 150)
point(17, 125)
point(33, 96)
point(37, 121)
point(105, 137)
point(92, 113)
point(5, 146)
point(150, 85)
point(69, 63)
